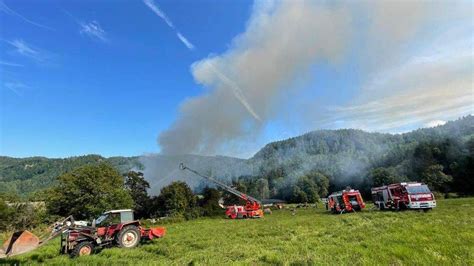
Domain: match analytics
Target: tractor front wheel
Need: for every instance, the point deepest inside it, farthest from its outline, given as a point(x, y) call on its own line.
point(128, 237)
point(84, 248)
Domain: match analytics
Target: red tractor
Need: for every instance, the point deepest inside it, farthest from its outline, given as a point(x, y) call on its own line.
point(348, 200)
point(252, 208)
point(112, 228)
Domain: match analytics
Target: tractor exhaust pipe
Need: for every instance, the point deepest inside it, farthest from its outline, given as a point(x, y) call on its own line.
point(20, 242)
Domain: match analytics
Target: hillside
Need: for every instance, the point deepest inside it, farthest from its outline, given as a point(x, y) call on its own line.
point(23, 176)
point(346, 156)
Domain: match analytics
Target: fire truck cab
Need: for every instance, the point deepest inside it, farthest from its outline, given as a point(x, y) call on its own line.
point(406, 195)
point(241, 212)
point(345, 201)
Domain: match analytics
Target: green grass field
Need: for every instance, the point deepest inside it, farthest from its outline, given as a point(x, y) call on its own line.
point(312, 236)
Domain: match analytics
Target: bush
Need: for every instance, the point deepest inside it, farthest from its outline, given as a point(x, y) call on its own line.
point(210, 202)
point(174, 200)
point(451, 195)
point(438, 195)
point(6, 213)
point(21, 216)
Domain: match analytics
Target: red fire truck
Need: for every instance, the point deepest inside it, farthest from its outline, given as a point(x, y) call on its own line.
point(400, 196)
point(252, 208)
point(348, 200)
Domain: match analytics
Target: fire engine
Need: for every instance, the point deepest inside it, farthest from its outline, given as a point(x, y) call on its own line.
point(400, 196)
point(348, 200)
point(252, 208)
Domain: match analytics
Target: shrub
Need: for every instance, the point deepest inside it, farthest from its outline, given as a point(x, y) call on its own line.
point(174, 200)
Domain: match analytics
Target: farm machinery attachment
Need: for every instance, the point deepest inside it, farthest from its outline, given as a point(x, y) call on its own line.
point(252, 208)
point(112, 228)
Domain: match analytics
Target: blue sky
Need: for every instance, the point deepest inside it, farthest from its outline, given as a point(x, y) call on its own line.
point(223, 77)
point(109, 97)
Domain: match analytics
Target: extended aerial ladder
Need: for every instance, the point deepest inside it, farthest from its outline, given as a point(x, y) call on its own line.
point(252, 208)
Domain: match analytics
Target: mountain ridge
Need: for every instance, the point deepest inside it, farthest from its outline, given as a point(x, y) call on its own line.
point(342, 154)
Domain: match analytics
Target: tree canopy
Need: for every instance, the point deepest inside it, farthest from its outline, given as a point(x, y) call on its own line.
point(137, 187)
point(88, 191)
point(176, 199)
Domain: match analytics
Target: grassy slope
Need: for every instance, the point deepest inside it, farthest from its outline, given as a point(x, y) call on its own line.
point(443, 236)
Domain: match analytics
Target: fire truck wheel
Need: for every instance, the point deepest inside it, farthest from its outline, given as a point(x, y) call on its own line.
point(128, 237)
point(84, 248)
point(402, 206)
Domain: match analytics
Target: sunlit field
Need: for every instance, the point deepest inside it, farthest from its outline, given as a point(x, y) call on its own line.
point(310, 236)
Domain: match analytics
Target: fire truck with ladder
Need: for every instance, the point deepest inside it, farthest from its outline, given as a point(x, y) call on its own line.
point(252, 208)
point(348, 200)
point(406, 195)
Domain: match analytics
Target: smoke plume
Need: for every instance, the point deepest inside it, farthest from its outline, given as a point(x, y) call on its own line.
point(244, 84)
point(248, 85)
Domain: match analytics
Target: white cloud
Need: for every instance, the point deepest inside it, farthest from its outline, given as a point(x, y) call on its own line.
point(27, 50)
point(154, 7)
point(9, 11)
point(412, 95)
point(151, 4)
point(185, 41)
point(93, 30)
point(16, 87)
point(5, 63)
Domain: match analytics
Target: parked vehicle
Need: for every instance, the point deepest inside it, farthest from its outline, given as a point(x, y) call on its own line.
point(112, 228)
point(252, 208)
point(400, 196)
point(348, 200)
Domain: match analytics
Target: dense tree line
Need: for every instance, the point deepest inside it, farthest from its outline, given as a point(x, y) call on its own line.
point(89, 190)
point(445, 165)
point(23, 177)
point(442, 157)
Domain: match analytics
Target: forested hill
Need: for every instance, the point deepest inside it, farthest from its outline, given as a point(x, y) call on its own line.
point(347, 152)
point(355, 158)
point(346, 157)
point(358, 141)
point(23, 176)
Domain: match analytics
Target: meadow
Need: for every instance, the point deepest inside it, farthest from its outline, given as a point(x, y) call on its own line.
point(444, 235)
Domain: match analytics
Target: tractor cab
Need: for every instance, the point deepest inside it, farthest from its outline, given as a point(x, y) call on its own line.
point(114, 217)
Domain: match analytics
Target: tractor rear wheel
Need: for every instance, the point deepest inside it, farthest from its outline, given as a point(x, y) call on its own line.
point(128, 237)
point(84, 248)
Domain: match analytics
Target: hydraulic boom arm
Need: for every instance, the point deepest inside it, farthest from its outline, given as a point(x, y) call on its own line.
point(221, 185)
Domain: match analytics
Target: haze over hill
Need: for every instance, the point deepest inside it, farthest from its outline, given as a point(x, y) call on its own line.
point(345, 156)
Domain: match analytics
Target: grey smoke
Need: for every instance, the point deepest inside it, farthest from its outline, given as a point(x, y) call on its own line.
point(281, 41)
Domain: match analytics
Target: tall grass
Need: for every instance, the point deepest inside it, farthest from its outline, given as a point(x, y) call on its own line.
point(311, 236)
